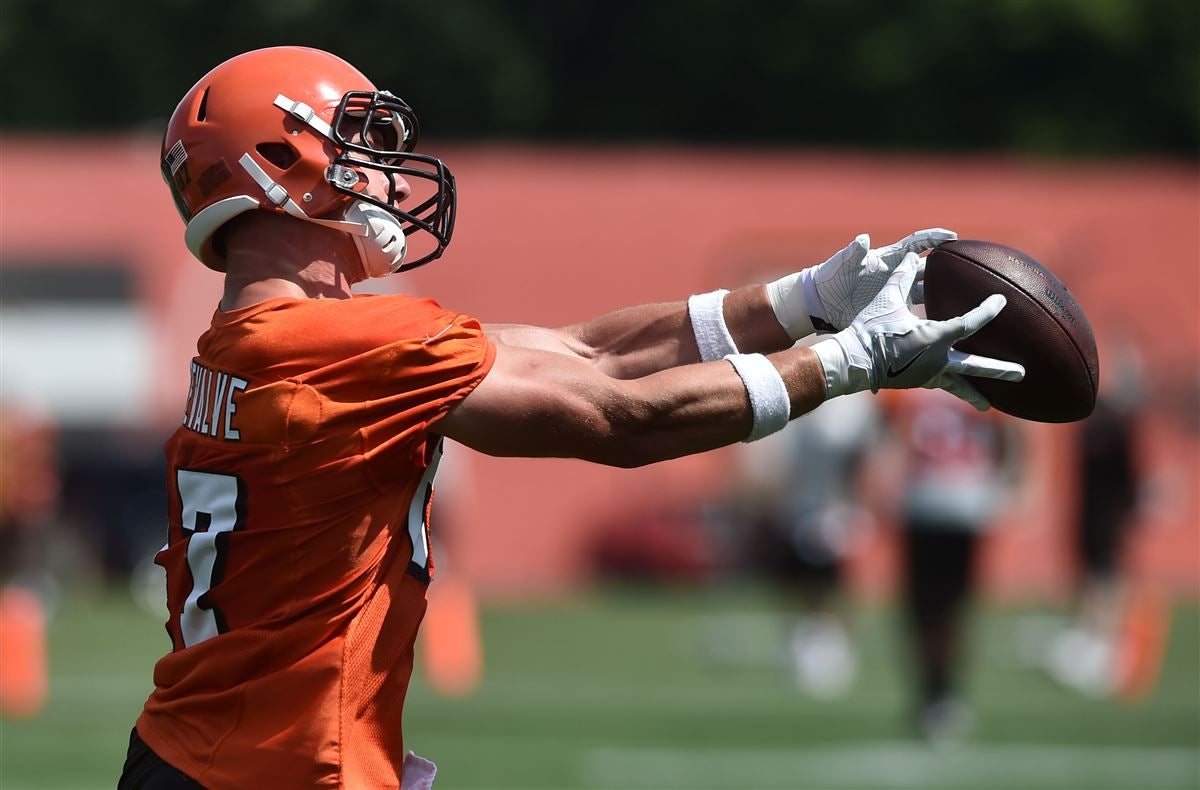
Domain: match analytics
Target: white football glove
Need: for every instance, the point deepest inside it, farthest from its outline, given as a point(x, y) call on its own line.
point(827, 297)
point(887, 347)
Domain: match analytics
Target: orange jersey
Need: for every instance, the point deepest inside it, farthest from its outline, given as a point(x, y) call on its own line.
point(297, 554)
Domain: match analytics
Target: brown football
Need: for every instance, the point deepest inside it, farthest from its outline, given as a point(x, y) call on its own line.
point(1042, 327)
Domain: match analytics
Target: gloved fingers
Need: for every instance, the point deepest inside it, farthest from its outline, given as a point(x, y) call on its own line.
point(960, 388)
point(984, 367)
point(978, 317)
point(905, 276)
point(918, 242)
point(927, 239)
point(853, 253)
point(918, 289)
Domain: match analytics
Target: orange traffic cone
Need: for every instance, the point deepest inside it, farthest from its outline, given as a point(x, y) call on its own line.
point(452, 648)
point(23, 681)
point(1142, 643)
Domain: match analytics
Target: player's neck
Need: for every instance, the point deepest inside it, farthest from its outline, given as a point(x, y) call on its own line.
point(269, 258)
point(315, 282)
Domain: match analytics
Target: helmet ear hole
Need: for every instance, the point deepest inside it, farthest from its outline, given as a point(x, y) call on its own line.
point(202, 113)
point(281, 155)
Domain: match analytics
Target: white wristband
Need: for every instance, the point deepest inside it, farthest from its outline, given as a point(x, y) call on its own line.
point(769, 399)
point(790, 298)
point(846, 362)
point(707, 312)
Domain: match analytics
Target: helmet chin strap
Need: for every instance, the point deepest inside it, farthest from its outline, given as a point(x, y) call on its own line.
point(384, 247)
point(378, 236)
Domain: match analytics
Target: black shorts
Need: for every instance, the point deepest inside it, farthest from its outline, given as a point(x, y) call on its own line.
point(145, 770)
point(1101, 538)
point(939, 569)
point(782, 558)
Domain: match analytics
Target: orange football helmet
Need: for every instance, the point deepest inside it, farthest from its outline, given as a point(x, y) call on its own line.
point(296, 131)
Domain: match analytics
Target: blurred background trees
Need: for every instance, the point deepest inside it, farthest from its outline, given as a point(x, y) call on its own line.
point(1047, 77)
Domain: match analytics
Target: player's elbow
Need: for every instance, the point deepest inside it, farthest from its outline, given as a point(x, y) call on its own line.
point(634, 434)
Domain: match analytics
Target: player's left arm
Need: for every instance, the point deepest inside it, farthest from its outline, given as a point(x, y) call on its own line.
point(644, 339)
point(761, 318)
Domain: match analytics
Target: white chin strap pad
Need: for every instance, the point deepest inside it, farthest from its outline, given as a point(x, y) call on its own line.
point(383, 247)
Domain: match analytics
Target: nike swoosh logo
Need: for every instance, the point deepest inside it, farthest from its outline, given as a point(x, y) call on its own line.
point(894, 372)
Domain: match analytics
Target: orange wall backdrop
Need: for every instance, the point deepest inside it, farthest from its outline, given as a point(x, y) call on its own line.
point(555, 235)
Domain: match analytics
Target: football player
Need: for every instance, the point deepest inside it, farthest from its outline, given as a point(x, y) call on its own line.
point(301, 477)
point(958, 471)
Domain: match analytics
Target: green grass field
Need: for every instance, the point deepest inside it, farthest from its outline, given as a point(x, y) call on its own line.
point(621, 690)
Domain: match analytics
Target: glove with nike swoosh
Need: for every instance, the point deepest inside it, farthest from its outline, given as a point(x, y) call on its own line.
point(887, 347)
point(827, 297)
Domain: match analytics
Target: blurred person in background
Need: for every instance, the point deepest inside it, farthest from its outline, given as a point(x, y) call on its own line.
point(300, 481)
point(1113, 645)
point(959, 469)
point(796, 501)
point(29, 499)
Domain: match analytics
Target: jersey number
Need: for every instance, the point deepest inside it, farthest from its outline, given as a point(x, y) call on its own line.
point(213, 506)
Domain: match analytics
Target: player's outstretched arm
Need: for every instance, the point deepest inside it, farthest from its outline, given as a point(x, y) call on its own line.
point(644, 339)
point(637, 341)
point(537, 403)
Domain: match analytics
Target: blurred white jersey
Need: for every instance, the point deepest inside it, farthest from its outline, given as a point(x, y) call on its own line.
point(955, 461)
point(808, 473)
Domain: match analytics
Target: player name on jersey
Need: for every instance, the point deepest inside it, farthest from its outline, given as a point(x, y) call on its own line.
point(212, 402)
